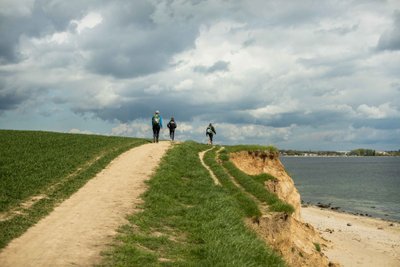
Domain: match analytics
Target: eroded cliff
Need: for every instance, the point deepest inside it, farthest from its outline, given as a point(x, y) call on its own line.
point(298, 242)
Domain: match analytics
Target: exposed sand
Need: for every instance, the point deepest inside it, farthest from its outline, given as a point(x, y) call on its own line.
point(366, 242)
point(201, 156)
point(77, 230)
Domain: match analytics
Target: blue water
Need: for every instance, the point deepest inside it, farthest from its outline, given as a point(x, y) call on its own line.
point(355, 184)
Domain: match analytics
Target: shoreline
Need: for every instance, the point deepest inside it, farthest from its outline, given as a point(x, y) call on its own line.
point(337, 209)
point(354, 240)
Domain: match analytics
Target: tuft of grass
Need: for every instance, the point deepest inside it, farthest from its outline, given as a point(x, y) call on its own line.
point(256, 188)
point(317, 247)
point(188, 221)
point(53, 164)
point(262, 178)
point(238, 148)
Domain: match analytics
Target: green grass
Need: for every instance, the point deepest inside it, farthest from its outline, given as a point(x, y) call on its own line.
point(248, 205)
point(186, 220)
point(254, 187)
point(238, 148)
point(317, 247)
point(262, 178)
point(53, 164)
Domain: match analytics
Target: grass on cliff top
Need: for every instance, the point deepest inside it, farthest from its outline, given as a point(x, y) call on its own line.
point(238, 148)
point(186, 220)
point(247, 205)
point(255, 187)
point(51, 164)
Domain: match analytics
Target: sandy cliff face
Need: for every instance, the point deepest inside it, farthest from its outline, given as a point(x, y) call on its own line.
point(291, 238)
point(267, 162)
point(288, 234)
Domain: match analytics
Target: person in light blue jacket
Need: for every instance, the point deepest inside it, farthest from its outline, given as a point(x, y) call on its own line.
point(156, 122)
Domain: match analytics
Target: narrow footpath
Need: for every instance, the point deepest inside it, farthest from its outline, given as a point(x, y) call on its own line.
point(201, 156)
point(81, 227)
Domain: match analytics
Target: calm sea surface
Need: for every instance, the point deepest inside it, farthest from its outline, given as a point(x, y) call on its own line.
point(355, 184)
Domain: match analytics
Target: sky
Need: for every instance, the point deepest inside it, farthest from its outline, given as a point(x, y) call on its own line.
point(307, 75)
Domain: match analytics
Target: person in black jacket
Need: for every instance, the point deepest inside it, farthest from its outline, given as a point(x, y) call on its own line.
point(210, 131)
point(171, 126)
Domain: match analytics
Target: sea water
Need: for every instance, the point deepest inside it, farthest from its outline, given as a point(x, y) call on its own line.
point(364, 185)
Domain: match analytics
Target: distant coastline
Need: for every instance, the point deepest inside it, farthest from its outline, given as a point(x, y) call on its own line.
point(360, 152)
point(333, 156)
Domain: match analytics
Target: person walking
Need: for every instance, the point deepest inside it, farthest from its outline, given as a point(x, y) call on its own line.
point(171, 126)
point(156, 121)
point(210, 131)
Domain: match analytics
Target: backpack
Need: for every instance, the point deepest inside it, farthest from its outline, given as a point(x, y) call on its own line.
point(172, 125)
point(156, 120)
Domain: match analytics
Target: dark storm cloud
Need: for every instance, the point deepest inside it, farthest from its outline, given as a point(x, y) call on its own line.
point(217, 66)
point(175, 105)
point(12, 96)
point(144, 107)
point(390, 40)
point(137, 42)
point(46, 17)
point(314, 119)
point(383, 124)
point(10, 100)
point(231, 112)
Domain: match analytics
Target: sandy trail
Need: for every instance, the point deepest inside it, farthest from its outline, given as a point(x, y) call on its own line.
point(365, 242)
point(201, 156)
point(77, 230)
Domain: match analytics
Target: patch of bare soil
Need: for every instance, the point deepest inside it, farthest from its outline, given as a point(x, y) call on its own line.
point(77, 230)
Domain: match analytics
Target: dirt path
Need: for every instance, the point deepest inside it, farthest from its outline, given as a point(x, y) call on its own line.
point(201, 156)
point(77, 231)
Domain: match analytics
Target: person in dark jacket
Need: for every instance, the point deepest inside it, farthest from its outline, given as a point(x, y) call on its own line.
point(156, 122)
point(210, 131)
point(171, 126)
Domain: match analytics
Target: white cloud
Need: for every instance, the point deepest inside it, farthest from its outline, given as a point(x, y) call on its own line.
point(249, 133)
point(185, 127)
point(90, 21)
point(184, 85)
point(378, 112)
point(291, 105)
point(107, 97)
point(77, 131)
point(138, 128)
point(154, 89)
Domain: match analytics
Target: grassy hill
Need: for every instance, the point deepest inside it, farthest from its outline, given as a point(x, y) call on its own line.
point(185, 219)
point(40, 169)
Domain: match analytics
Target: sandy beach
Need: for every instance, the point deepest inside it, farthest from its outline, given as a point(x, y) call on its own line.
point(356, 240)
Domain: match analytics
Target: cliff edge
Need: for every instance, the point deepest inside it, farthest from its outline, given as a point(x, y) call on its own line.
point(298, 242)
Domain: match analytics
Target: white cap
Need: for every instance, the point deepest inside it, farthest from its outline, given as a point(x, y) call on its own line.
point(157, 111)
